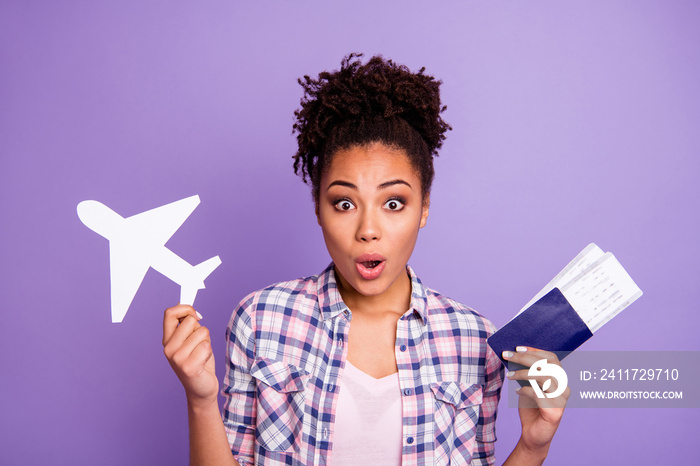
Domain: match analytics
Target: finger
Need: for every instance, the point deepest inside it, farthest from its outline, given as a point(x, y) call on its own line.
point(536, 352)
point(185, 350)
point(528, 356)
point(565, 395)
point(192, 363)
point(188, 325)
point(201, 355)
point(548, 355)
point(172, 318)
point(524, 375)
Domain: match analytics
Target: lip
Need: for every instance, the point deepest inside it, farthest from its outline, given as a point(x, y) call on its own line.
point(370, 273)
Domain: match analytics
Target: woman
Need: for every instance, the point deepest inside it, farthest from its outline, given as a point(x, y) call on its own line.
point(361, 363)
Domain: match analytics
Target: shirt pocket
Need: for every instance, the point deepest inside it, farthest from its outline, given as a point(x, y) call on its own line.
point(280, 404)
point(456, 416)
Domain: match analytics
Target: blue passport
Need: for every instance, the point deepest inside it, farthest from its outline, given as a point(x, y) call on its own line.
point(550, 324)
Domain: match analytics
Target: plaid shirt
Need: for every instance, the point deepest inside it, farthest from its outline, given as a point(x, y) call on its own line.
point(286, 351)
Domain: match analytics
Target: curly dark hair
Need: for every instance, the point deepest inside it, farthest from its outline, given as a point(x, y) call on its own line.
point(379, 101)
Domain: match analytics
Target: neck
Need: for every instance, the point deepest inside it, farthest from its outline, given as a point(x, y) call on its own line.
point(395, 299)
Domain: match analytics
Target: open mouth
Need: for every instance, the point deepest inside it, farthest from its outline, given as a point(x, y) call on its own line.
point(372, 268)
point(370, 264)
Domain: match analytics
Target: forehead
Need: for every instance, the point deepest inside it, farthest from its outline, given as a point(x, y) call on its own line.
point(370, 162)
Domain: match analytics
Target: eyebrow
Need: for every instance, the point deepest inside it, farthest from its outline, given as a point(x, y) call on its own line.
point(381, 186)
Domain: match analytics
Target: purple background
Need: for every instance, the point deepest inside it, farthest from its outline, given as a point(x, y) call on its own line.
point(573, 122)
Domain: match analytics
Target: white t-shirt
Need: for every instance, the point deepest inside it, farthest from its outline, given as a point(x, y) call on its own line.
point(368, 417)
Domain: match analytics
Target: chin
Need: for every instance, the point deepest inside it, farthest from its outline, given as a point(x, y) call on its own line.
point(371, 289)
point(374, 287)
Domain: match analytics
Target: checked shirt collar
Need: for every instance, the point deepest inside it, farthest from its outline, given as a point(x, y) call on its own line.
point(331, 303)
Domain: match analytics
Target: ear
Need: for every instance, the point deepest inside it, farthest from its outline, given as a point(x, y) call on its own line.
point(426, 209)
point(318, 216)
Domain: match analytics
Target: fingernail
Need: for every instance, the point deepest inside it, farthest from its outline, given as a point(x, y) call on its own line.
point(199, 315)
point(521, 349)
point(507, 354)
point(510, 374)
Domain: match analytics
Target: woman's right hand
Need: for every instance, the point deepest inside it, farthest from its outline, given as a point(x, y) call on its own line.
point(187, 346)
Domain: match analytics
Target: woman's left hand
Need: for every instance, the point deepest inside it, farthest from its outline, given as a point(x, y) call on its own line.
point(540, 417)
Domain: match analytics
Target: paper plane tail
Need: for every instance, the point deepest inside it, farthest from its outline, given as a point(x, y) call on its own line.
point(201, 272)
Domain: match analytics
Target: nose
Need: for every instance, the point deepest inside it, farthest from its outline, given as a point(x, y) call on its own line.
point(368, 229)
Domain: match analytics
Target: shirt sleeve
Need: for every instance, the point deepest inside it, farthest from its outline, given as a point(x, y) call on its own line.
point(238, 389)
point(485, 448)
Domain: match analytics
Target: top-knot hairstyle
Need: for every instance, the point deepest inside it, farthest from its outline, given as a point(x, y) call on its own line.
point(379, 101)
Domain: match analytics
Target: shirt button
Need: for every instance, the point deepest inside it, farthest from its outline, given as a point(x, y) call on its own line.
point(407, 392)
point(331, 388)
point(325, 433)
point(402, 347)
point(409, 440)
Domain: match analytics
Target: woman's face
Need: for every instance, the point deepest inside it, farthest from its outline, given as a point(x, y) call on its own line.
point(370, 208)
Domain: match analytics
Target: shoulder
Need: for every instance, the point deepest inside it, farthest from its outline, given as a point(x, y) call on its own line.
point(457, 336)
point(445, 315)
point(285, 297)
point(448, 311)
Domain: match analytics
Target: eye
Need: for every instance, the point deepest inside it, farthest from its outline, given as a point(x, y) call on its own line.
point(394, 205)
point(344, 205)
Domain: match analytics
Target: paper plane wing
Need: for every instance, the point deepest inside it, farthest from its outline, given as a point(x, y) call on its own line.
point(127, 269)
point(159, 224)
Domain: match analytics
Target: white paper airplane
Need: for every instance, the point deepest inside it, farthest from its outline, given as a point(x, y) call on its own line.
point(138, 242)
